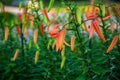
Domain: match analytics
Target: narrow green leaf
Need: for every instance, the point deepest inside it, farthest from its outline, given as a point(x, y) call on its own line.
point(41, 4)
point(50, 5)
point(103, 10)
point(20, 5)
point(63, 62)
point(79, 15)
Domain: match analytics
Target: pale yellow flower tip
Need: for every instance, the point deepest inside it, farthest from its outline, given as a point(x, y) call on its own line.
point(36, 57)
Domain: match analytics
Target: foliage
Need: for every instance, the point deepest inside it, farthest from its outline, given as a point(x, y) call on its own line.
point(68, 47)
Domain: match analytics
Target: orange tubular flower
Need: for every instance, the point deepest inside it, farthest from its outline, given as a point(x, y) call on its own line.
point(98, 30)
point(6, 33)
point(60, 39)
point(27, 17)
point(73, 43)
point(107, 17)
point(31, 24)
point(32, 21)
point(35, 36)
point(16, 54)
point(42, 29)
point(62, 34)
point(18, 30)
point(36, 57)
point(91, 32)
point(59, 35)
point(113, 43)
point(45, 12)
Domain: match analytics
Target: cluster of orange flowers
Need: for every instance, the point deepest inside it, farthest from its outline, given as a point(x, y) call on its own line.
point(59, 35)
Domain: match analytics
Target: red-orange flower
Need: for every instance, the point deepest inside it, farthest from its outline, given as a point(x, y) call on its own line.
point(42, 29)
point(98, 30)
point(54, 32)
point(60, 39)
point(45, 12)
point(59, 36)
point(18, 30)
point(107, 17)
point(95, 24)
point(35, 36)
point(91, 11)
point(16, 54)
point(113, 43)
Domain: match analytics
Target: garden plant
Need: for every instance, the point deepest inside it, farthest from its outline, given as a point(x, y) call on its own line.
point(52, 43)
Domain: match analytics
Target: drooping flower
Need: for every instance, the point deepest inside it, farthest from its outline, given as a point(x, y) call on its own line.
point(45, 12)
point(31, 24)
point(42, 29)
point(32, 21)
point(6, 33)
point(113, 43)
point(35, 36)
point(60, 39)
point(73, 43)
point(16, 54)
point(59, 36)
point(95, 23)
point(97, 28)
point(107, 17)
point(18, 30)
point(36, 57)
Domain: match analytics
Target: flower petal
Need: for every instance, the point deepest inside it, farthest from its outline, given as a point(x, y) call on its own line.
point(98, 30)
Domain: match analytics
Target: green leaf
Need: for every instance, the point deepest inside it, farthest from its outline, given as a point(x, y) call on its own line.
point(30, 44)
point(103, 10)
point(50, 5)
point(63, 62)
point(20, 5)
point(81, 77)
point(79, 15)
point(41, 4)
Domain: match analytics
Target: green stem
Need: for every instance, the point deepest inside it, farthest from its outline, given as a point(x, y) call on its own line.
point(106, 44)
point(22, 43)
